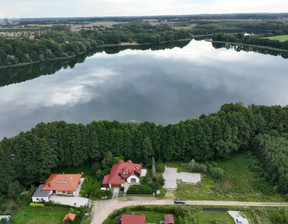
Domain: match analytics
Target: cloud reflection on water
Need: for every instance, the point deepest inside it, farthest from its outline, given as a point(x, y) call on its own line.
point(163, 86)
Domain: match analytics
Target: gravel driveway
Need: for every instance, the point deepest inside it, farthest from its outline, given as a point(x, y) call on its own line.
point(171, 176)
point(72, 201)
point(102, 209)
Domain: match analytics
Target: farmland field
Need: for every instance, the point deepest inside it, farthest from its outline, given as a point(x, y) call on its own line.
point(281, 38)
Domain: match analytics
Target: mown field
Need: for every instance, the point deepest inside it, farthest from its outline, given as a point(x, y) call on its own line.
point(239, 184)
point(47, 215)
point(280, 38)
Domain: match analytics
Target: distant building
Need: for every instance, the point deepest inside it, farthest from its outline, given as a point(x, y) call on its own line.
point(133, 219)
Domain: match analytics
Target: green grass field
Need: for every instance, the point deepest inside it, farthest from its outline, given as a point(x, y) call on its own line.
point(240, 184)
point(280, 38)
point(47, 215)
point(207, 217)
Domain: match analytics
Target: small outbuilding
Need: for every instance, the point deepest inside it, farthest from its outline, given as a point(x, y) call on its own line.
point(68, 216)
point(169, 219)
point(41, 196)
point(133, 219)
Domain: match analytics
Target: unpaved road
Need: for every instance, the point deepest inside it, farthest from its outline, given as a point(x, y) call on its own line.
point(102, 209)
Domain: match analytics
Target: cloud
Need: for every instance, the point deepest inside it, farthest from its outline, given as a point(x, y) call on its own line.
point(73, 8)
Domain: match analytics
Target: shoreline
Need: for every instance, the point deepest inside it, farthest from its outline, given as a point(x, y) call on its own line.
point(101, 46)
point(249, 45)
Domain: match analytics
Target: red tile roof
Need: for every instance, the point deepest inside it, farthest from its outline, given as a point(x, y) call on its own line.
point(125, 169)
point(62, 182)
point(169, 219)
point(133, 219)
point(70, 216)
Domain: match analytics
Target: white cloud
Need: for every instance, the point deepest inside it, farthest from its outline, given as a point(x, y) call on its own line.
point(65, 8)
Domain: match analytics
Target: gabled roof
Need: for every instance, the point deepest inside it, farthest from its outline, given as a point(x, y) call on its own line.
point(39, 193)
point(62, 182)
point(121, 171)
point(70, 216)
point(169, 219)
point(133, 219)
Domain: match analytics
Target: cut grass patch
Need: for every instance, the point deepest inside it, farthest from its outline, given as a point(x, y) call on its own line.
point(280, 38)
point(47, 215)
point(239, 184)
point(212, 217)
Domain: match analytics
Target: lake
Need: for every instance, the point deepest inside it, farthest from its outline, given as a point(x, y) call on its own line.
point(163, 86)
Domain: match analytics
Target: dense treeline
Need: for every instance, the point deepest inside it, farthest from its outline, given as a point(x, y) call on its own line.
point(171, 18)
point(272, 152)
point(23, 73)
point(256, 27)
point(59, 42)
point(251, 40)
point(35, 153)
point(248, 48)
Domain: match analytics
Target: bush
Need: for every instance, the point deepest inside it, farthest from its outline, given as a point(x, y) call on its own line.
point(216, 172)
point(277, 218)
point(139, 189)
point(100, 193)
point(160, 167)
point(32, 204)
point(193, 166)
point(286, 197)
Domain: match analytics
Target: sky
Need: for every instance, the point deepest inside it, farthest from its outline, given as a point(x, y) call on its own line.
point(95, 8)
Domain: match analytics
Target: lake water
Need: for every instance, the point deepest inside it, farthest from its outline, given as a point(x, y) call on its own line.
point(164, 86)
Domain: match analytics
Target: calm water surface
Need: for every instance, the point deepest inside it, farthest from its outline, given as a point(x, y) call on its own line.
point(163, 86)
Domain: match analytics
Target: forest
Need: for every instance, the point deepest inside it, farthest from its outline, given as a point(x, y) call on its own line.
point(28, 72)
point(250, 40)
point(60, 42)
point(262, 130)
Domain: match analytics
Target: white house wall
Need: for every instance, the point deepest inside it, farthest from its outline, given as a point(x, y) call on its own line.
point(133, 176)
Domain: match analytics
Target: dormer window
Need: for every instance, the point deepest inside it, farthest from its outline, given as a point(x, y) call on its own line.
point(125, 172)
point(58, 182)
point(64, 181)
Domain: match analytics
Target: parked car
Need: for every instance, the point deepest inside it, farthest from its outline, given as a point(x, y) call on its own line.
point(179, 201)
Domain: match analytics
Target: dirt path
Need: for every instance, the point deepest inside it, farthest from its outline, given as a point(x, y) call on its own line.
point(102, 209)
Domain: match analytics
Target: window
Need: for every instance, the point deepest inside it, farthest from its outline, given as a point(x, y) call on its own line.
point(64, 181)
point(71, 178)
point(58, 182)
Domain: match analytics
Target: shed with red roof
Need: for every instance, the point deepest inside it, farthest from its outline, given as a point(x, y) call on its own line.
point(169, 219)
point(133, 219)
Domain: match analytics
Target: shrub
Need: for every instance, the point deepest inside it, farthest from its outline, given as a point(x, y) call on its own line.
point(160, 167)
point(277, 218)
point(215, 172)
point(193, 166)
point(32, 204)
point(286, 197)
point(100, 194)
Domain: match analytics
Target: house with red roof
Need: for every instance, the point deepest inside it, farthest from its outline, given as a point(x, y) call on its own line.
point(68, 216)
point(133, 219)
point(122, 172)
point(169, 219)
point(62, 183)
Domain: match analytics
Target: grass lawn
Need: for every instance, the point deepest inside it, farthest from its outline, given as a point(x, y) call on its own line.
point(280, 38)
point(239, 184)
point(151, 217)
point(47, 215)
point(212, 217)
